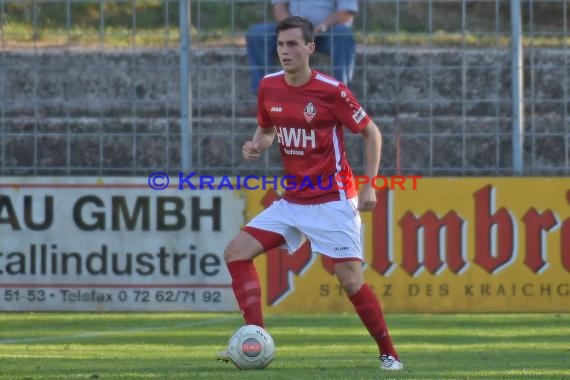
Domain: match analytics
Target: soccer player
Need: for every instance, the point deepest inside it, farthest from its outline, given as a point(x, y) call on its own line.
point(306, 110)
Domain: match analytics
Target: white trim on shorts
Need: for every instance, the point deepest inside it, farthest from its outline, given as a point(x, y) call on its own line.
point(333, 228)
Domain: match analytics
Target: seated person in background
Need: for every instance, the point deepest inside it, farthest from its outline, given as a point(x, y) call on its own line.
point(333, 35)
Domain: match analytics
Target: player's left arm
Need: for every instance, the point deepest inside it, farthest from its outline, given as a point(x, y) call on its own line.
point(373, 150)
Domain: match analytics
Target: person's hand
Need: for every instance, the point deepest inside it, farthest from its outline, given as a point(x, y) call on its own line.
point(366, 198)
point(251, 151)
point(321, 28)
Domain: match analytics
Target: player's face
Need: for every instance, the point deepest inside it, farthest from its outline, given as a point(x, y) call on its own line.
point(292, 50)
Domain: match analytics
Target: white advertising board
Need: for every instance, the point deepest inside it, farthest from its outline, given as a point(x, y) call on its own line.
point(114, 244)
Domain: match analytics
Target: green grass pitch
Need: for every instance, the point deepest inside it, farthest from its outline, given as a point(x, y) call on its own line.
point(309, 346)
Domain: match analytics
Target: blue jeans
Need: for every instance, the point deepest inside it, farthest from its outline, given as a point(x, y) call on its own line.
point(338, 42)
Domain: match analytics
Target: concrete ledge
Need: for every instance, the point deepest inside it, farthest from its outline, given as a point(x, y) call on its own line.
point(445, 112)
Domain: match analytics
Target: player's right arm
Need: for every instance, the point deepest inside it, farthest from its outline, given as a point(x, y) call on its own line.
point(262, 140)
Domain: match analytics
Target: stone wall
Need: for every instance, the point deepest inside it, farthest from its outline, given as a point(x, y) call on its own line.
point(442, 112)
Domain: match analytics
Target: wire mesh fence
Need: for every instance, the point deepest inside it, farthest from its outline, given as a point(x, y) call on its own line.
point(92, 87)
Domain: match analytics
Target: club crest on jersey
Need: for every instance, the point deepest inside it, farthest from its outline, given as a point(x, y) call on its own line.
point(310, 112)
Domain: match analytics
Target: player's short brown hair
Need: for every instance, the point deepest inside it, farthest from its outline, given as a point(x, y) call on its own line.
point(297, 22)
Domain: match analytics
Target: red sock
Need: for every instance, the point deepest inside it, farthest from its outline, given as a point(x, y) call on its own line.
point(370, 312)
point(247, 290)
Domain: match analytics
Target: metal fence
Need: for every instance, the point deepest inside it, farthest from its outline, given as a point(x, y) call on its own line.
point(99, 87)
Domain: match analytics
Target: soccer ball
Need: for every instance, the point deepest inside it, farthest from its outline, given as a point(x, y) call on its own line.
point(251, 347)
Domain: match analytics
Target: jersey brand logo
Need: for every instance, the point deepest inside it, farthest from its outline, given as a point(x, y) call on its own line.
point(310, 112)
point(276, 109)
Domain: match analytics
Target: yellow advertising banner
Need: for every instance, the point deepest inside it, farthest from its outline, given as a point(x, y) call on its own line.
point(451, 245)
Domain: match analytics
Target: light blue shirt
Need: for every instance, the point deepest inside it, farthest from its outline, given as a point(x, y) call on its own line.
point(317, 10)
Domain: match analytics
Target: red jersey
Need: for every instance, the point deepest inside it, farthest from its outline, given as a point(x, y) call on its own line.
point(308, 121)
